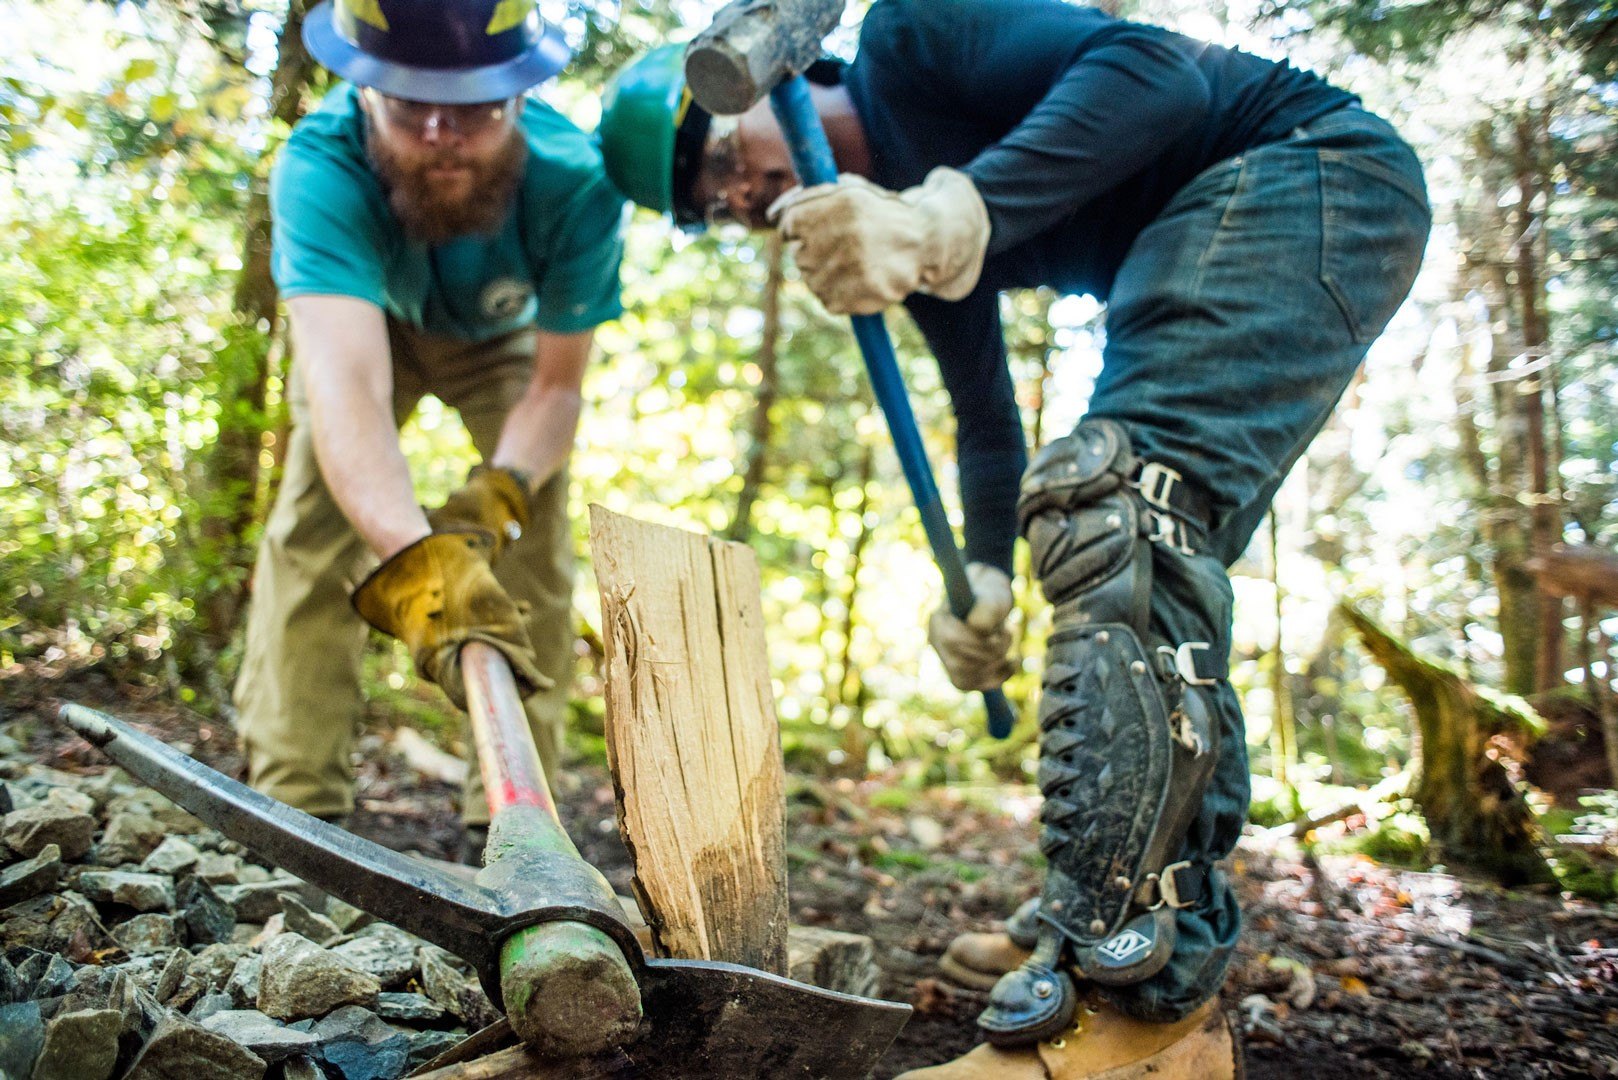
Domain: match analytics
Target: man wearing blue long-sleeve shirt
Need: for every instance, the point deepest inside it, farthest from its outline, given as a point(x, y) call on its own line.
point(1252, 230)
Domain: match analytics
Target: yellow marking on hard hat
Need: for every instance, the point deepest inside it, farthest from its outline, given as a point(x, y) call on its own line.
point(684, 107)
point(369, 12)
point(508, 13)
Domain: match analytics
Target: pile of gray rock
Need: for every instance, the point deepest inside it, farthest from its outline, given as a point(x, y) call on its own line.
point(137, 943)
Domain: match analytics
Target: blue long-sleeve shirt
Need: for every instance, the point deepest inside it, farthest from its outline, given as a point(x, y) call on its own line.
point(1077, 129)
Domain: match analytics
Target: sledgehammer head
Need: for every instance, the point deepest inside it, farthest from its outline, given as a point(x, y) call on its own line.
point(752, 46)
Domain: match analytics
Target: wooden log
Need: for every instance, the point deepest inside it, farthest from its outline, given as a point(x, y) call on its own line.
point(833, 960)
point(693, 740)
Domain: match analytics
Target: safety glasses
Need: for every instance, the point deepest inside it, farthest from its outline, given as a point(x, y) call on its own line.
point(421, 118)
point(721, 167)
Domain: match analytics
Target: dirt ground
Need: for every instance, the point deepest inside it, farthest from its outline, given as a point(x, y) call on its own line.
point(1346, 968)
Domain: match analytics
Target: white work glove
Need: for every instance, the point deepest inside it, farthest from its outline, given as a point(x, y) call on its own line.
point(976, 650)
point(862, 248)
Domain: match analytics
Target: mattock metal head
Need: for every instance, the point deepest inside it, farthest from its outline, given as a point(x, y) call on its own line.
point(752, 46)
point(720, 1021)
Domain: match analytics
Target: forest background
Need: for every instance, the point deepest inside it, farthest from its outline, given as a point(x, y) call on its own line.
point(1424, 628)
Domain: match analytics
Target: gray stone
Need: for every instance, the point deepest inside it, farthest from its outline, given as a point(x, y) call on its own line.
point(181, 1050)
point(149, 968)
point(256, 901)
point(11, 989)
point(31, 878)
point(211, 968)
point(141, 1011)
point(43, 975)
point(407, 1008)
point(383, 950)
point(360, 1046)
point(174, 856)
point(30, 830)
point(301, 979)
point(63, 922)
point(143, 892)
point(172, 976)
point(253, 874)
point(442, 978)
point(28, 925)
point(349, 919)
point(78, 931)
point(300, 920)
point(144, 800)
point(426, 1045)
point(245, 981)
point(68, 796)
point(218, 869)
point(208, 918)
point(147, 933)
point(94, 988)
point(273, 927)
point(265, 1037)
point(299, 1067)
point(22, 1034)
point(128, 838)
point(80, 1046)
point(209, 1004)
point(106, 787)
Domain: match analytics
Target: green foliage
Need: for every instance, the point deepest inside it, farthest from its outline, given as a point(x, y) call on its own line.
point(121, 185)
point(1587, 875)
point(1398, 840)
point(1585, 853)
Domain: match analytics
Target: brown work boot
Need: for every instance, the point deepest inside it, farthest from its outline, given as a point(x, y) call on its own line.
point(977, 961)
point(1104, 1044)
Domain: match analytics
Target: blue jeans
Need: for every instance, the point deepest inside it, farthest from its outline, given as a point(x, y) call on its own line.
point(1236, 322)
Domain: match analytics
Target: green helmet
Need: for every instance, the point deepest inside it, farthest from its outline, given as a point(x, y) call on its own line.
point(652, 133)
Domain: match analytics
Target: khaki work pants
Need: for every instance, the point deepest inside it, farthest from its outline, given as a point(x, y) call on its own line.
point(298, 695)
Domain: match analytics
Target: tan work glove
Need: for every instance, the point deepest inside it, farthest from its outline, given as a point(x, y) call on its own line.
point(976, 650)
point(493, 500)
point(438, 594)
point(862, 248)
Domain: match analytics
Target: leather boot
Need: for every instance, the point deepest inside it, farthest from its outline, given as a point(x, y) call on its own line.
point(1104, 1044)
point(977, 961)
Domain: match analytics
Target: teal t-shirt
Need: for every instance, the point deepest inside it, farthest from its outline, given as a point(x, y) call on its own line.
point(553, 264)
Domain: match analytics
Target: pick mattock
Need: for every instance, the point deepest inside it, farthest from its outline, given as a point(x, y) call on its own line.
point(541, 927)
point(756, 47)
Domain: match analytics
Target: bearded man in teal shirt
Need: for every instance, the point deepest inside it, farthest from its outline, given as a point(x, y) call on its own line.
point(435, 231)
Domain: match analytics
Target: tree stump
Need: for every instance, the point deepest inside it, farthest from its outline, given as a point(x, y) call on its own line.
point(1473, 809)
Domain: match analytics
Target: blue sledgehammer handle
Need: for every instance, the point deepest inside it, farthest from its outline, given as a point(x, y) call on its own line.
point(812, 157)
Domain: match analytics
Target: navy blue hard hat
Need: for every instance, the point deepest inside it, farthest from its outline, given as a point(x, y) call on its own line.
point(445, 52)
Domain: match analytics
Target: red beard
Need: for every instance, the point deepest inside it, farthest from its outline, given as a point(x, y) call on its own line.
point(432, 217)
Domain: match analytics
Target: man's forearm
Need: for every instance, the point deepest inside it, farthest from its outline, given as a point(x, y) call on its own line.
point(539, 432)
point(366, 472)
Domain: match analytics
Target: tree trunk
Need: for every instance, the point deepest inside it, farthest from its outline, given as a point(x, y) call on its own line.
point(741, 526)
point(850, 685)
point(1487, 238)
point(1545, 519)
point(233, 473)
point(1283, 737)
point(1473, 809)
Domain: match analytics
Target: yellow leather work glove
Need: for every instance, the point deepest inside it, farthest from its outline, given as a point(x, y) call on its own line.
point(976, 650)
point(493, 500)
point(862, 248)
point(438, 594)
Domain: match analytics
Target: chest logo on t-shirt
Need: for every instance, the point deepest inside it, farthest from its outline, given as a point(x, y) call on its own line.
point(504, 298)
